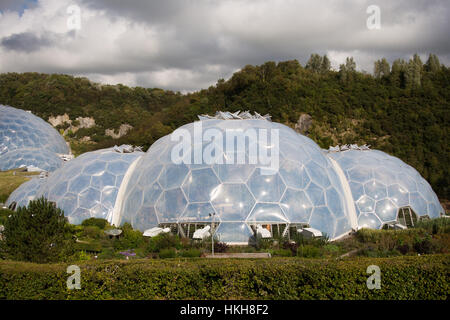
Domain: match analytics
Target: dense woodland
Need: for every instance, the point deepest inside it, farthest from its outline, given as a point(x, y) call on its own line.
point(402, 109)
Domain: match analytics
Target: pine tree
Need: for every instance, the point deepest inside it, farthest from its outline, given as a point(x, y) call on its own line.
point(398, 73)
point(414, 72)
point(314, 63)
point(326, 64)
point(35, 233)
point(381, 68)
point(432, 65)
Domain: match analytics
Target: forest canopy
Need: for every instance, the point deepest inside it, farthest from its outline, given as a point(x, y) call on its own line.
point(402, 109)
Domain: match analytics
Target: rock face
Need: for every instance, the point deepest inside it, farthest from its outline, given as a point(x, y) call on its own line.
point(304, 123)
point(59, 120)
point(85, 122)
point(124, 128)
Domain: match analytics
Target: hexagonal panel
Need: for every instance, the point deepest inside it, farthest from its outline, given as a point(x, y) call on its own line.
point(318, 175)
point(399, 195)
point(200, 184)
point(294, 174)
point(170, 205)
point(335, 202)
point(418, 204)
point(369, 220)
point(375, 189)
point(386, 210)
point(366, 204)
point(198, 212)
point(267, 188)
point(151, 194)
point(323, 220)
point(233, 232)
point(232, 202)
point(316, 194)
point(266, 212)
point(296, 205)
point(89, 198)
point(360, 174)
point(173, 175)
point(79, 183)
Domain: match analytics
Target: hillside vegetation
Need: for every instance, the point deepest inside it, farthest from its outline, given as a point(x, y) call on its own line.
point(403, 109)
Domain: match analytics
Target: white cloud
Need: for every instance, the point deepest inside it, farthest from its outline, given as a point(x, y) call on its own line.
point(188, 45)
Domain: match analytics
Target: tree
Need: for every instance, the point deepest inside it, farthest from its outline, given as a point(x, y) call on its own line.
point(347, 71)
point(381, 68)
point(414, 72)
point(318, 64)
point(314, 63)
point(37, 233)
point(326, 65)
point(398, 73)
point(432, 65)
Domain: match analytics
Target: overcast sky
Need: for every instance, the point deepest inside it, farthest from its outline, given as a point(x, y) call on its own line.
point(187, 45)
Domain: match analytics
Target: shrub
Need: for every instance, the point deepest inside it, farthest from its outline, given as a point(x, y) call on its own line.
point(309, 251)
point(290, 245)
point(164, 241)
point(37, 233)
point(403, 278)
point(92, 232)
point(97, 222)
point(130, 238)
point(191, 253)
point(282, 253)
point(220, 247)
point(167, 253)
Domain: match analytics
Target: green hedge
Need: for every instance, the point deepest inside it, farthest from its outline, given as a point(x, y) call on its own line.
point(412, 277)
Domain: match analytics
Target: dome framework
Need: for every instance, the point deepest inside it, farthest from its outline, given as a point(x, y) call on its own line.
point(232, 191)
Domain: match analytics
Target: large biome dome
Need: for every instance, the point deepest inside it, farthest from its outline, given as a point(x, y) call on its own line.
point(382, 184)
point(87, 186)
point(333, 191)
point(27, 140)
point(305, 190)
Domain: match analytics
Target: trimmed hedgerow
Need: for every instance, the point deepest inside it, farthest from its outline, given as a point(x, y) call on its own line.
point(409, 277)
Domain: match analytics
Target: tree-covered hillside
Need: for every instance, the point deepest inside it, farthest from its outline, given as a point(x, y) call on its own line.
point(403, 110)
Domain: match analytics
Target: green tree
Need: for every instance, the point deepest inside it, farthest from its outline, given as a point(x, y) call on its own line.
point(432, 65)
point(414, 72)
point(398, 73)
point(381, 68)
point(326, 64)
point(314, 63)
point(37, 233)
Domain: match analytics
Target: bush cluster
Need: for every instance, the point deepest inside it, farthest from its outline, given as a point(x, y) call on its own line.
point(410, 277)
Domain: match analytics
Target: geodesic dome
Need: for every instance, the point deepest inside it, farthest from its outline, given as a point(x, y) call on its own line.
point(87, 186)
point(22, 134)
point(39, 158)
point(25, 192)
point(304, 189)
point(381, 184)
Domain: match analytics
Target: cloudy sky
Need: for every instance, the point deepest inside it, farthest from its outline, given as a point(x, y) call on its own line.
point(187, 45)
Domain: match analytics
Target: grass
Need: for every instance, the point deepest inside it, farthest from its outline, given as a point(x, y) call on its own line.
point(10, 180)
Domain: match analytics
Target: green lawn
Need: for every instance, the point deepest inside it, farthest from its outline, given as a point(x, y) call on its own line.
point(11, 180)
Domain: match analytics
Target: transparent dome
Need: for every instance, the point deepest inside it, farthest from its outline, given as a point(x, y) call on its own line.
point(87, 186)
point(303, 189)
point(23, 132)
point(381, 184)
point(39, 158)
point(25, 192)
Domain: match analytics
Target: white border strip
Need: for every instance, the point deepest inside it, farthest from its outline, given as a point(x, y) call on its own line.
point(350, 204)
point(115, 219)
